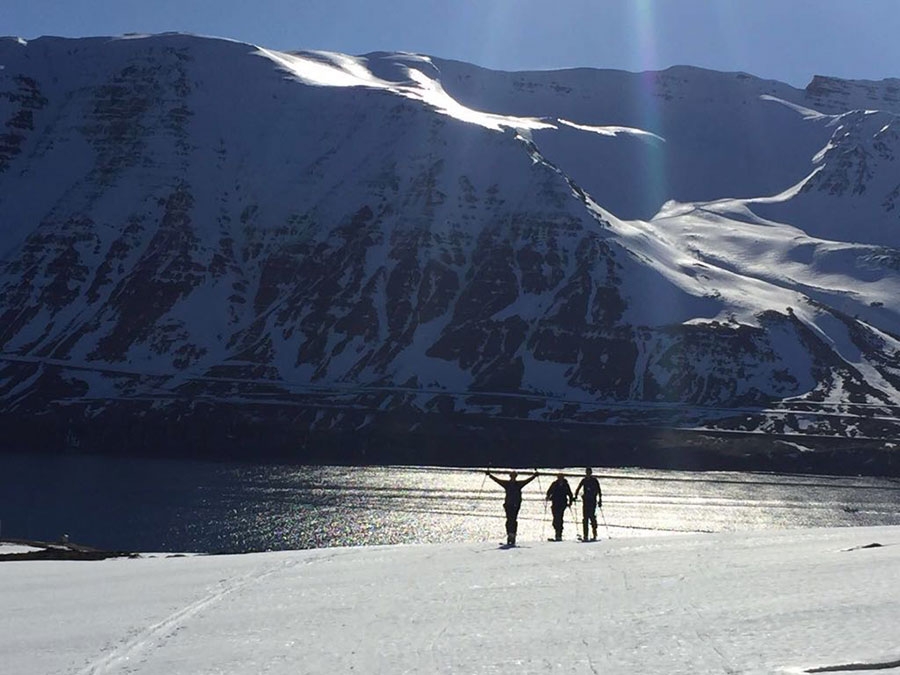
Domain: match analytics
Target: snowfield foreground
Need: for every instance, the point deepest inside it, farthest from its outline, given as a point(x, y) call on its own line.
point(764, 602)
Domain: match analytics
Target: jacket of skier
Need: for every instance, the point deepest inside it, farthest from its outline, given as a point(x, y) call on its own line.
point(513, 489)
point(559, 494)
point(592, 496)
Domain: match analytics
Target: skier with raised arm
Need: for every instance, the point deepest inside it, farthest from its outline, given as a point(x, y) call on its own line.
point(559, 494)
point(590, 500)
point(513, 501)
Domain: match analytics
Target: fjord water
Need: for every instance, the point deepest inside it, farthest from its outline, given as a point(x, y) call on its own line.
point(140, 504)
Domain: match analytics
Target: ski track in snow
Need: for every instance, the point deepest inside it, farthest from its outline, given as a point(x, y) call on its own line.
point(856, 667)
point(128, 652)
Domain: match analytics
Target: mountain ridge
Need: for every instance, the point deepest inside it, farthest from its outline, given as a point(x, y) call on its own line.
point(321, 244)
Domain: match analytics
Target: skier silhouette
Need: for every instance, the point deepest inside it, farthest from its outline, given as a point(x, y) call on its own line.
point(559, 494)
point(591, 499)
point(513, 501)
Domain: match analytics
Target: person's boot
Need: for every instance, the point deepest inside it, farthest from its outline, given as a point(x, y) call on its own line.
point(593, 532)
point(584, 528)
point(559, 535)
point(510, 539)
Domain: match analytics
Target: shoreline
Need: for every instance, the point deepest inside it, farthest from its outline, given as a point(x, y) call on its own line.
point(60, 550)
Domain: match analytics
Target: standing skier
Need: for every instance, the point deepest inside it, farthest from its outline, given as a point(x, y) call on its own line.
point(591, 499)
point(513, 501)
point(559, 494)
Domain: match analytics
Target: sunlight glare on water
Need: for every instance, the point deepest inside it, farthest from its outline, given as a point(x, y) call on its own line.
point(171, 505)
point(403, 505)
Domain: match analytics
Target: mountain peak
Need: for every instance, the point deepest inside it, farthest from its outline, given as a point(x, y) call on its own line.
point(203, 232)
point(836, 95)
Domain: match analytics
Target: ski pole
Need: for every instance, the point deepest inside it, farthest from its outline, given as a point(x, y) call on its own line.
point(544, 521)
point(481, 489)
point(603, 515)
point(541, 488)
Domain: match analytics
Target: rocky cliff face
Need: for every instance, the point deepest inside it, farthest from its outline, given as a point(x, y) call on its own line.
point(210, 246)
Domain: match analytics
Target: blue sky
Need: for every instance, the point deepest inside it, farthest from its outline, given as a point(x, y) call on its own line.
point(788, 40)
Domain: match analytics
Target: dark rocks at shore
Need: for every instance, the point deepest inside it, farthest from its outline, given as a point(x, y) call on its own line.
point(60, 551)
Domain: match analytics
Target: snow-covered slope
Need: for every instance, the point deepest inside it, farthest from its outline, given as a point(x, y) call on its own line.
point(854, 187)
point(761, 603)
point(200, 236)
point(636, 140)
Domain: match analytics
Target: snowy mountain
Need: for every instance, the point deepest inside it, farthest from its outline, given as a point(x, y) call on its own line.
point(208, 246)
